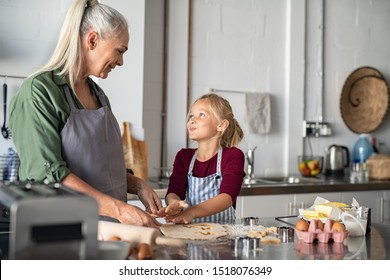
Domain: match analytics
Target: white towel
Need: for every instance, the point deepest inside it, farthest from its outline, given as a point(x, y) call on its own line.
point(258, 112)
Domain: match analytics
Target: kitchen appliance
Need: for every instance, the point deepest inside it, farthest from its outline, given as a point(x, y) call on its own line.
point(50, 221)
point(336, 160)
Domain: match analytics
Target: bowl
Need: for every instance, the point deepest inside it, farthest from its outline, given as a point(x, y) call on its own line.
point(113, 250)
point(310, 166)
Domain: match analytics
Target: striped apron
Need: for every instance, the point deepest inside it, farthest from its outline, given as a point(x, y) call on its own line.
point(202, 189)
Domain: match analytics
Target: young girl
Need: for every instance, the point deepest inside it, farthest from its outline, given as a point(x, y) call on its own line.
point(206, 181)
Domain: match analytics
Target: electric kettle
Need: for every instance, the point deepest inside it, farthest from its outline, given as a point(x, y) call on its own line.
point(336, 159)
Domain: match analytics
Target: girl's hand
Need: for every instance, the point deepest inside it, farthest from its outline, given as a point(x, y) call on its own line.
point(184, 217)
point(175, 207)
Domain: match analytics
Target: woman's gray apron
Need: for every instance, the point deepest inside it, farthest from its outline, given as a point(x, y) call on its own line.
point(92, 147)
point(202, 189)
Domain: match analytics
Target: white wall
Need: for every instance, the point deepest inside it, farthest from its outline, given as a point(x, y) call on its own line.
point(29, 32)
point(355, 36)
point(275, 46)
point(249, 45)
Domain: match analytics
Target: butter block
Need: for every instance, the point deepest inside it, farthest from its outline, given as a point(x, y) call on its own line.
point(335, 204)
point(330, 209)
point(311, 214)
point(324, 209)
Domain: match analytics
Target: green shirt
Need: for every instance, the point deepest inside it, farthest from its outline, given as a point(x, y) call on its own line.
point(38, 114)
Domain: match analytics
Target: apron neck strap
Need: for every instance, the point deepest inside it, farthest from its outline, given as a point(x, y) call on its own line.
point(69, 98)
point(95, 91)
point(219, 159)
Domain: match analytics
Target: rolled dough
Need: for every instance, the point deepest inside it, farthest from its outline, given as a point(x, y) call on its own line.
point(196, 231)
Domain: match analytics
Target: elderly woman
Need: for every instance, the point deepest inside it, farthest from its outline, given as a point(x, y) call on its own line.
point(62, 124)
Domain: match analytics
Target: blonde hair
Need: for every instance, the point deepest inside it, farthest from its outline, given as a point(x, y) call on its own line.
point(82, 16)
point(222, 110)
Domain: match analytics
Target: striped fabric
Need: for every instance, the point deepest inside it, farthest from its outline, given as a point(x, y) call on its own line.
point(202, 189)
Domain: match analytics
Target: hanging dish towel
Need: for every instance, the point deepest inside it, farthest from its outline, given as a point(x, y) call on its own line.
point(258, 112)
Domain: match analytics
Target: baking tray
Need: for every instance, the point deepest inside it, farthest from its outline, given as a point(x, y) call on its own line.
point(289, 220)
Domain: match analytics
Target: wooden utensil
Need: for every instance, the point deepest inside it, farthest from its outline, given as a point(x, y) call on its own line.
point(136, 234)
point(135, 153)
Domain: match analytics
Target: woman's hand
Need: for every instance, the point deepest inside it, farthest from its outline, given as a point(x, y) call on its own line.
point(112, 207)
point(146, 194)
point(130, 214)
point(150, 199)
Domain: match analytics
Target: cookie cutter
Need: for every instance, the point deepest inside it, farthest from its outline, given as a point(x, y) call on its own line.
point(250, 221)
point(286, 234)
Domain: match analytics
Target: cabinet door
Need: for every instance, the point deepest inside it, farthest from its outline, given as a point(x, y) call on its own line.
point(266, 205)
point(371, 199)
point(386, 207)
point(306, 200)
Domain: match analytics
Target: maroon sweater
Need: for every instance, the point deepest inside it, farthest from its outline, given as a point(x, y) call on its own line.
point(232, 169)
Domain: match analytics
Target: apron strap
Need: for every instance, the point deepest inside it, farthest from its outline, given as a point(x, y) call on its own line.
point(69, 98)
point(219, 159)
point(95, 91)
point(98, 93)
point(192, 163)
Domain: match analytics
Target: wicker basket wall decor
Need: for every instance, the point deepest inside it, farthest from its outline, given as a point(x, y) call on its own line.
point(364, 100)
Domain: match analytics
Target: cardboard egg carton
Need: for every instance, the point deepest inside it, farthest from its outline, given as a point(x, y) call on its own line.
point(323, 236)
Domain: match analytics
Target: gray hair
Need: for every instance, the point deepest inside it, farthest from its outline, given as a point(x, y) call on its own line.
point(83, 15)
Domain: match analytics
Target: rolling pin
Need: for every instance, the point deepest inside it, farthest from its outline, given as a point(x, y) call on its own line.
point(136, 234)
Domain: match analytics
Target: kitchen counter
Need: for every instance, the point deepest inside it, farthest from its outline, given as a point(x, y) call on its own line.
point(317, 185)
point(374, 246)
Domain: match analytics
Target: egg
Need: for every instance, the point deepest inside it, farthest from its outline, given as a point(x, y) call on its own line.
point(114, 238)
point(320, 225)
point(302, 225)
point(339, 227)
point(144, 252)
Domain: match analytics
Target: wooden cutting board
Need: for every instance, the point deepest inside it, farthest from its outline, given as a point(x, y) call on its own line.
point(195, 231)
point(135, 152)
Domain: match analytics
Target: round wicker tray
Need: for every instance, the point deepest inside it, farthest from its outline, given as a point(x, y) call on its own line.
point(364, 100)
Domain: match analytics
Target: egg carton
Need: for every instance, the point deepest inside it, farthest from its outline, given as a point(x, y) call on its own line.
point(320, 251)
point(323, 236)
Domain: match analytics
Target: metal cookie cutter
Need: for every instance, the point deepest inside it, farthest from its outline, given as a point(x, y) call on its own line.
point(246, 246)
point(250, 221)
point(286, 234)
